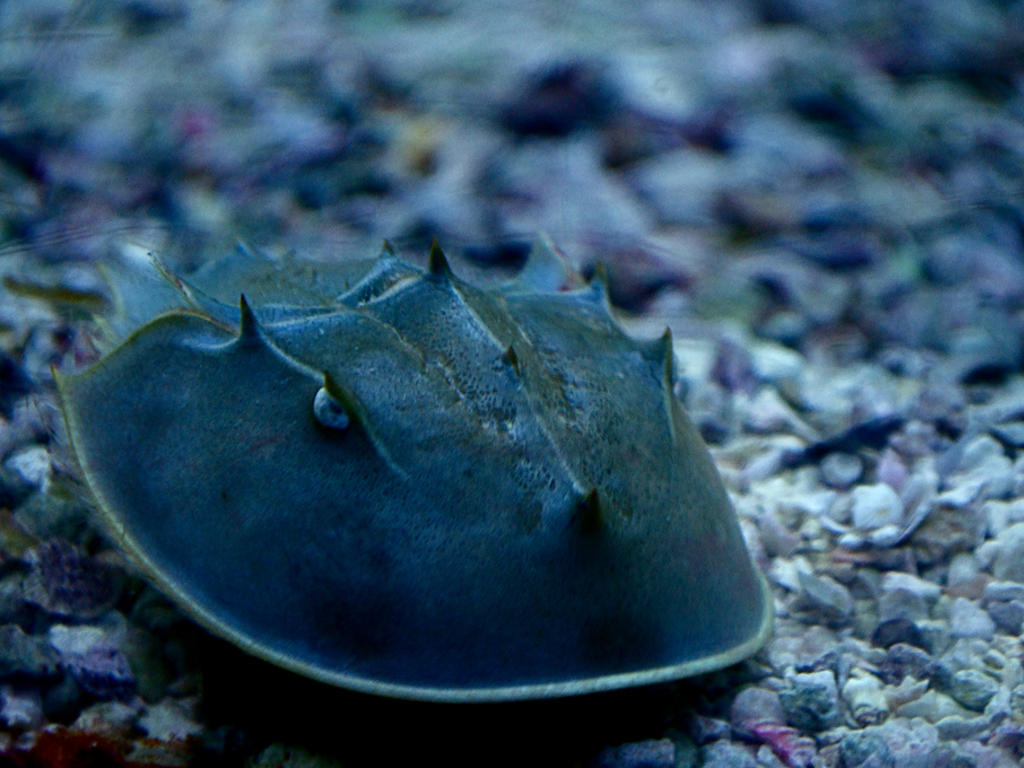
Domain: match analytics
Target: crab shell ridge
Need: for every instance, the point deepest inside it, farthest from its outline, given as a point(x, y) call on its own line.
point(419, 488)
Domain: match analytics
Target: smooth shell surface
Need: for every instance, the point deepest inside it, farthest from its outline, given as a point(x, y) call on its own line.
point(390, 480)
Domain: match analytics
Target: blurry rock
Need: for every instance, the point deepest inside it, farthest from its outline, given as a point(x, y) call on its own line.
point(866, 749)
point(933, 706)
point(1001, 514)
point(728, 754)
point(1009, 562)
point(873, 433)
point(48, 516)
point(1004, 602)
point(558, 100)
point(170, 720)
point(926, 590)
point(637, 272)
point(21, 709)
point(903, 660)
point(864, 697)
point(704, 730)
point(14, 488)
point(23, 656)
point(896, 631)
point(65, 581)
point(787, 745)
point(733, 368)
point(841, 470)
point(891, 470)
point(968, 619)
point(755, 705)
point(1008, 616)
point(812, 703)
point(768, 413)
point(93, 660)
point(826, 599)
point(113, 719)
point(897, 742)
point(875, 506)
point(973, 689)
point(682, 186)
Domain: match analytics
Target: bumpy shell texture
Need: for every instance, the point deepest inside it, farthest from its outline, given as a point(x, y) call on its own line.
point(393, 481)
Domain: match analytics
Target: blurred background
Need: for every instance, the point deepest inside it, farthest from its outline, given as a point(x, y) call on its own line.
point(842, 178)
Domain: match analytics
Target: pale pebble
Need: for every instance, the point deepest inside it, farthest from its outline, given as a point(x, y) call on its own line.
point(923, 588)
point(33, 464)
point(963, 569)
point(973, 689)
point(933, 706)
point(825, 597)
point(767, 412)
point(1009, 560)
point(968, 619)
point(20, 708)
point(875, 506)
point(892, 471)
point(1001, 514)
point(841, 470)
point(728, 754)
point(170, 720)
point(865, 698)
point(958, 728)
point(775, 363)
point(901, 604)
point(909, 743)
point(812, 703)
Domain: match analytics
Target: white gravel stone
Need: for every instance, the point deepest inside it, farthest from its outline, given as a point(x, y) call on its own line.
point(767, 413)
point(933, 706)
point(922, 588)
point(32, 463)
point(865, 698)
point(963, 570)
point(973, 689)
point(1009, 559)
point(968, 619)
point(841, 470)
point(826, 597)
point(1003, 590)
point(20, 709)
point(68, 640)
point(170, 720)
point(775, 363)
point(875, 506)
point(1001, 514)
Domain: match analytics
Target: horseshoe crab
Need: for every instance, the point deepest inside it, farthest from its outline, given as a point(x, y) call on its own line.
point(387, 479)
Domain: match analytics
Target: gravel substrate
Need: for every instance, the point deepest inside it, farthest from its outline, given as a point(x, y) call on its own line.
point(823, 202)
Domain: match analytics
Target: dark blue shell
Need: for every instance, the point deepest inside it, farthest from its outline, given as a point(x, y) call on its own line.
point(403, 484)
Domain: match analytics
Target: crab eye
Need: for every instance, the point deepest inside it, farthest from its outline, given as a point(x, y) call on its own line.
point(328, 411)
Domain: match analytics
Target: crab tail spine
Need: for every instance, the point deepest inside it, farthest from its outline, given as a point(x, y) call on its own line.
point(437, 265)
point(249, 326)
point(598, 286)
point(510, 358)
point(386, 249)
point(336, 407)
point(589, 513)
point(666, 358)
